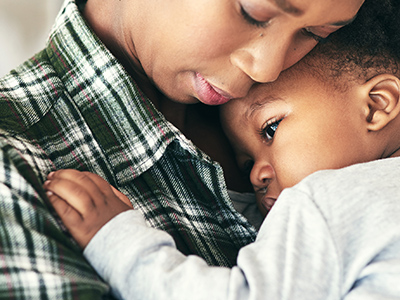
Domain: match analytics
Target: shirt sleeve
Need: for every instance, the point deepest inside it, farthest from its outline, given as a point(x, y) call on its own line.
point(293, 258)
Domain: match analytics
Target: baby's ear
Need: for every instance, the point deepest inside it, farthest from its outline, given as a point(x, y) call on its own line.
point(383, 101)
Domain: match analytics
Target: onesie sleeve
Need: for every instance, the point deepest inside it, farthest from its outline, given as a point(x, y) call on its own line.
point(293, 258)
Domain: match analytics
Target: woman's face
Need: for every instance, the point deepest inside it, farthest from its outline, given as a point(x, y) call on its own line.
point(214, 50)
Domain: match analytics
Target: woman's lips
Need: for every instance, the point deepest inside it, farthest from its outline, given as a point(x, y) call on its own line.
point(209, 94)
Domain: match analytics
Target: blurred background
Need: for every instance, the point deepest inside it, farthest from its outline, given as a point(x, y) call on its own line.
point(24, 27)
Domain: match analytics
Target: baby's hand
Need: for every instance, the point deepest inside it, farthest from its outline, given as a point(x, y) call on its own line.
point(84, 201)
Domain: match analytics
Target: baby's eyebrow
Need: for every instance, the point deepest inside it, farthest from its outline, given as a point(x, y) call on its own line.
point(257, 105)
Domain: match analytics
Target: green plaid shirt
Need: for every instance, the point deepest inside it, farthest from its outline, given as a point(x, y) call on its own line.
point(73, 106)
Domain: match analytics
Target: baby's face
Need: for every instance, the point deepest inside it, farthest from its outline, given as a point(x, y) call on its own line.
point(286, 130)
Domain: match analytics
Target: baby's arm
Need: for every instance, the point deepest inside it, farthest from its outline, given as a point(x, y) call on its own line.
point(140, 262)
point(84, 201)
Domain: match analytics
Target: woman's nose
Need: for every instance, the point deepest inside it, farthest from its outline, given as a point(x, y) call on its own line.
point(262, 60)
point(261, 174)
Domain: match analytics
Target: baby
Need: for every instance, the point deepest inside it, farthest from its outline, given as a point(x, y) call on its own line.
point(312, 119)
point(330, 234)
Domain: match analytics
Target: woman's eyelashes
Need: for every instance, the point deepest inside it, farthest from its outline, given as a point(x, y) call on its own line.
point(251, 20)
point(269, 129)
point(264, 23)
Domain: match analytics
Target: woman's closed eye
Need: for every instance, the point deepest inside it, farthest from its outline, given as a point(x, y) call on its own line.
point(269, 129)
point(251, 20)
point(308, 33)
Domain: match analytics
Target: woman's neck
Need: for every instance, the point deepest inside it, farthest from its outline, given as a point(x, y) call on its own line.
point(173, 111)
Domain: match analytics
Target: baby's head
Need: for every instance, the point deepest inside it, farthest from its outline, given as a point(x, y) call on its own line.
point(337, 107)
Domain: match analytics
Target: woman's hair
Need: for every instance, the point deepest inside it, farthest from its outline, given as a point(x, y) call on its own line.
point(366, 47)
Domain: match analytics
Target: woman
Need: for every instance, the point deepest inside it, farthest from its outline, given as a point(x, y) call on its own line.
point(97, 98)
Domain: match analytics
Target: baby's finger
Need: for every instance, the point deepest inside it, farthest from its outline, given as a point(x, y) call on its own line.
point(109, 191)
point(67, 213)
point(101, 184)
point(83, 182)
point(72, 219)
point(74, 194)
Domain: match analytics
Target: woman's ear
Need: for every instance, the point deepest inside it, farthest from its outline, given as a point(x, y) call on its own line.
point(383, 101)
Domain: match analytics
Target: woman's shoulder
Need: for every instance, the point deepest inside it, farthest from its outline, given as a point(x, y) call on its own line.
point(28, 92)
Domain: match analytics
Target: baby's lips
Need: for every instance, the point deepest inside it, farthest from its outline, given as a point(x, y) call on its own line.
point(268, 202)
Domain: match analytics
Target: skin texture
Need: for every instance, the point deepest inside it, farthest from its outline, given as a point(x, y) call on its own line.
point(321, 127)
point(183, 52)
point(187, 48)
point(90, 202)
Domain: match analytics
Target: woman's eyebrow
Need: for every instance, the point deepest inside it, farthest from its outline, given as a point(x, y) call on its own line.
point(289, 8)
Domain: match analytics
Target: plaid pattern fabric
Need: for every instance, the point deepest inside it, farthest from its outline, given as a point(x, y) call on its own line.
point(73, 106)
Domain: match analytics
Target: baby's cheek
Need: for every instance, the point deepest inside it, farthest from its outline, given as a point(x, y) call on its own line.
point(294, 168)
point(261, 206)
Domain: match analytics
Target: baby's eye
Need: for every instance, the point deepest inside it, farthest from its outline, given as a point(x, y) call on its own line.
point(268, 131)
